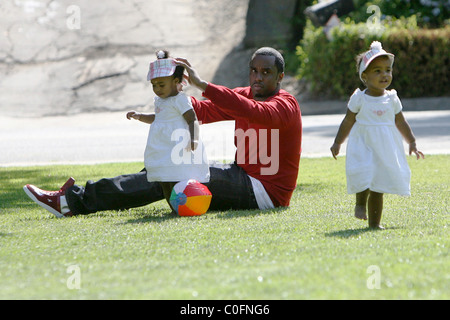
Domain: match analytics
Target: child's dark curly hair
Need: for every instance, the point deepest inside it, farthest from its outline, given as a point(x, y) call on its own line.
point(358, 59)
point(179, 70)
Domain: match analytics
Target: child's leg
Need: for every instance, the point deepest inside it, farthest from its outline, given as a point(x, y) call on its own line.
point(167, 190)
point(375, 206)
point(361, 204)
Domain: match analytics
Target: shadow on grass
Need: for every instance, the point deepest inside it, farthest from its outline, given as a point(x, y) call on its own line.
point(146, 215)
point(12, 182)
point(231, 214)
point(349, 233)
point(161, 215)
point(2, 234)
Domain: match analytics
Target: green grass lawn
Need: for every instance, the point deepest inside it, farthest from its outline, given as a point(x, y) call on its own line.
point(315, 249)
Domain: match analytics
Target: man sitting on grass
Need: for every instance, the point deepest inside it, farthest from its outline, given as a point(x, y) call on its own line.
point(268, 135)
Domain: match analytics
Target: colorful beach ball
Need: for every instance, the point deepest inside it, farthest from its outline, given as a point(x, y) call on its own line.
point(190, 198)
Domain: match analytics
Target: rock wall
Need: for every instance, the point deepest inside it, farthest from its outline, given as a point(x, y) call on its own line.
point(72, 56)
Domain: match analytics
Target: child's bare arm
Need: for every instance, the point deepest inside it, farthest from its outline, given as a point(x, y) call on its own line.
point(144, 117)
point(343, 132)
point(194, 127)
point(406, 131)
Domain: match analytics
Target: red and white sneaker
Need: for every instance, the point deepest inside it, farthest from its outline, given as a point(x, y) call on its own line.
point(53, 201)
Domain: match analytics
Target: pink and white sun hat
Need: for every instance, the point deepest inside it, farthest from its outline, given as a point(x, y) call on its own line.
point(161, 67)
point(375, 51)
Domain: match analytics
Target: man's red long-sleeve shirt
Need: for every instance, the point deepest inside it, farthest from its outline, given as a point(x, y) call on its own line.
point(268, 135)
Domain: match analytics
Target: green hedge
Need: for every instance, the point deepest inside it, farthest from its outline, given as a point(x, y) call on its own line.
point(421, 65)
point(429, 13)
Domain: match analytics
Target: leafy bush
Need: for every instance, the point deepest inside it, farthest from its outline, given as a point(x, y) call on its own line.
point(429, 13)
point(421, 64)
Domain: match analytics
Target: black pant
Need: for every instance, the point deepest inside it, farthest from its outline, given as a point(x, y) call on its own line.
point(230, 186)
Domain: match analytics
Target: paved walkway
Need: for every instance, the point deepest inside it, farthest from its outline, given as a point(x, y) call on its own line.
point(110, 137)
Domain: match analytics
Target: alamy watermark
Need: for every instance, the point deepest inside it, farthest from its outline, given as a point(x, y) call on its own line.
point(373, 23)
point(74, 280)
point(263, 146)
point(374, 279)
point(73, 21)
point(259, 148)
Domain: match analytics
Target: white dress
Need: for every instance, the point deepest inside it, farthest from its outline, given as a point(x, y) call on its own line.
point(375, 156)
point(166, 158)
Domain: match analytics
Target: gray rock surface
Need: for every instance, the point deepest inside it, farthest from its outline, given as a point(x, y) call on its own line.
point(73, 56)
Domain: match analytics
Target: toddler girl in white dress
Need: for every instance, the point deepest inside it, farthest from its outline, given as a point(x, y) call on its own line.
point(174, 150)
point(375, 158)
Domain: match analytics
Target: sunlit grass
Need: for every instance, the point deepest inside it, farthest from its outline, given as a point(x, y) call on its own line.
point(314, 249)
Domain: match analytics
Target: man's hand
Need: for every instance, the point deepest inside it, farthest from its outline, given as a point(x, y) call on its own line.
point(193, 78)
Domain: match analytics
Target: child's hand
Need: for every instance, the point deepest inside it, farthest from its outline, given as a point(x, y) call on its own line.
point(192, 146)
point(413, 148)
point(133, 114)
point(335, 150)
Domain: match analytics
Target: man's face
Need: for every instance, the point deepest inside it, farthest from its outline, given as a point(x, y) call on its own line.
point(264, 77)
